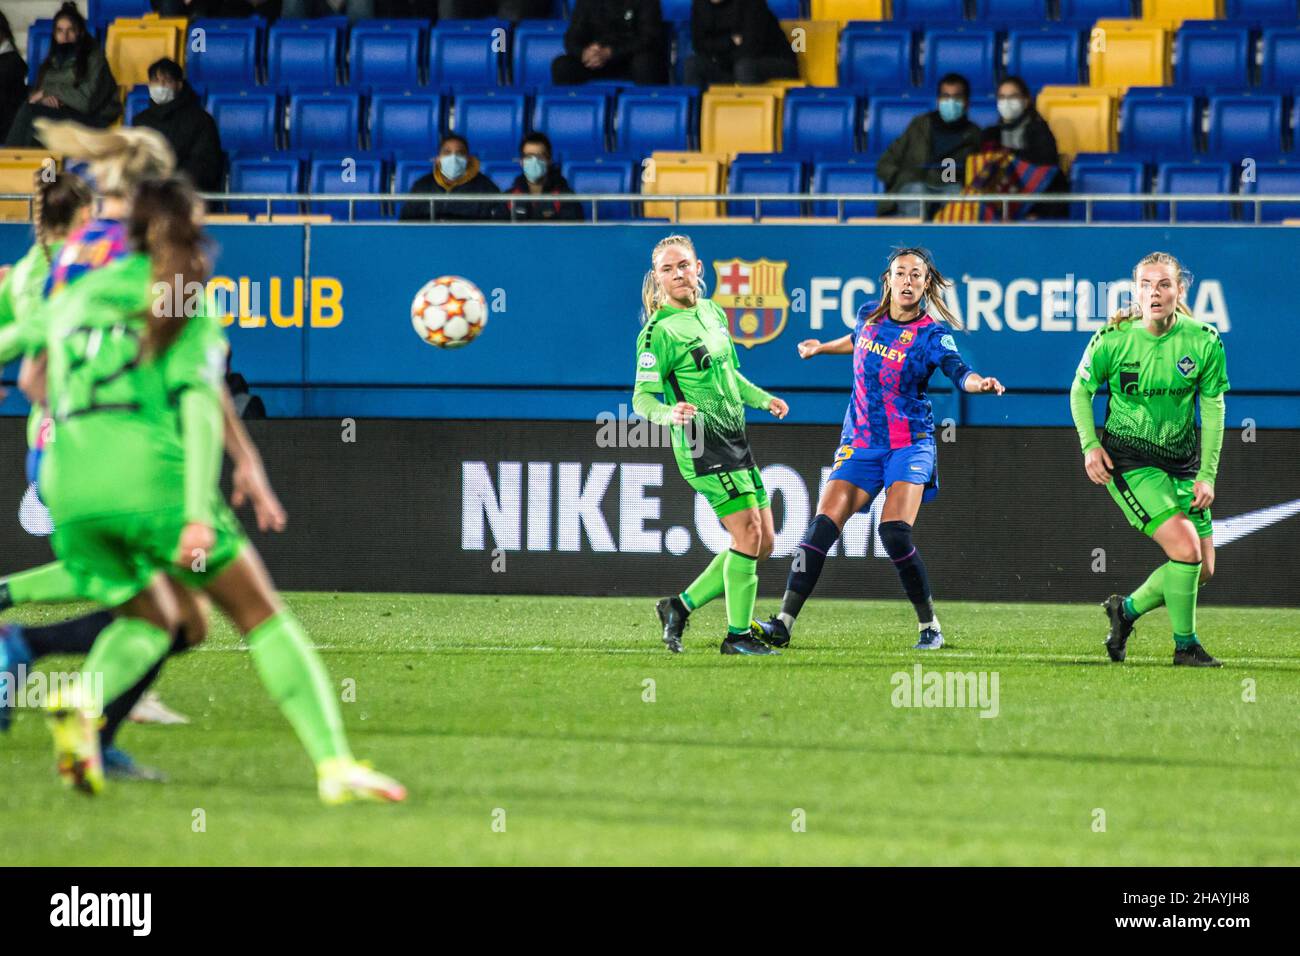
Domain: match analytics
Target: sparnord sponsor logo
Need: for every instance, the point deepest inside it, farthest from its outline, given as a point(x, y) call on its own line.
point(922, 688)
point(131, 910)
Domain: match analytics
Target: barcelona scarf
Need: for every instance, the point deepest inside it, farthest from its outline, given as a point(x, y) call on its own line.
point(997, 172)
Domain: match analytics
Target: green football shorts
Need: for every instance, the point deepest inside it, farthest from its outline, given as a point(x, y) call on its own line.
point(1151, 496)
point(732, 491)
point(111, 559)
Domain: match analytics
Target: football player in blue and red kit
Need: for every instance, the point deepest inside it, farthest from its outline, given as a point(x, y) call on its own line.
point(888, 438)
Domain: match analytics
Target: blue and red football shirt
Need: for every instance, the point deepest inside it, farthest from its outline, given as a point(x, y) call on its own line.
point(892, 365)
point(95, 244)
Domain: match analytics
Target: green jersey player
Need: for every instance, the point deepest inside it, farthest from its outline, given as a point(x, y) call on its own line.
point(1156, 362)
point(685, 353)
point(136, 395)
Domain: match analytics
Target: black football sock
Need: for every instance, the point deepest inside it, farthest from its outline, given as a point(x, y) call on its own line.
point(76, 636)
point(806, 567)
point(897, 539)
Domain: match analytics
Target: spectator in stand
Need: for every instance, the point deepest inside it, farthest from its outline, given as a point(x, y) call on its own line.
point(930, 156)
point(267, 9)
point(541, 177)
point(613, 40)
point(1025, 133)
point(304, 9)
point(455, 172)
point(738, 41)
point(192, 133)
point(74, 82)
point(512, 10)
point(13, 76)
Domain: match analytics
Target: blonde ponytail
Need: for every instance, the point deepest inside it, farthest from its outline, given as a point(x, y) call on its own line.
point(651, 294)
point(118, 158)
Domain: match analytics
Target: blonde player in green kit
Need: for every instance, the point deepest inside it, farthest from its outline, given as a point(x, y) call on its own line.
point(132, 482)
point(1156, 361)
point(685, 353)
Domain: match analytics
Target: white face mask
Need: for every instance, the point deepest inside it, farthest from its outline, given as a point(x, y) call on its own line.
point(1010, 108)
point(161, 94)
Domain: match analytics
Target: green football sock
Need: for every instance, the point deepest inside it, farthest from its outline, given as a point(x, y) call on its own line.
point(123, 653)
point(295, 677)
point(1181, 582)
point(1151, 593)
point(741, 573)
point(708, 585)
point(49, 582)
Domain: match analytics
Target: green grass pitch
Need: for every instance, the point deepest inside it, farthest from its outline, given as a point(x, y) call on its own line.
point(531, 712)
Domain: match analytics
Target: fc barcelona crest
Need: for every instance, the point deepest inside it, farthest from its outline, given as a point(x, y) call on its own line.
point(904, 337)
point(753, 296)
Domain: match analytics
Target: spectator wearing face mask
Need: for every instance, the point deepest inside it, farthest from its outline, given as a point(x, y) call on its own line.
point(541, 177)
point(455, 172)
point(74, 82)
point(738, 41)
point(1025, 133)
point(930, 156)
point(189, 129)
point(13, 76)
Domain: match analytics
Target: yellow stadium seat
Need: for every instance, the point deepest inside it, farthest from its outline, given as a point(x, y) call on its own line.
point(295, 218)
point(689, 174)
point(1170, 13)
point(225, 218)
point(133, 44)
point(816, 43)
point(1081, 118)
point(1124, 53)
point(18, 169)
point(740, 119)
point(843, 11)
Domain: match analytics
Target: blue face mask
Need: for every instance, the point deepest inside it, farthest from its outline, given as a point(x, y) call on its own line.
point(534, 168)
point(452, 165)
point(951, 109)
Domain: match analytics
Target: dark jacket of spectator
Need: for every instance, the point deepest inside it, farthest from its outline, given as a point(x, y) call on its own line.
point(13, 87)
point(918, 155)
point(552, 184)
point(94, 94)
point(472, 181)
point(192, 133)
point(1029, 137)
point(625, 26)
point(714, 24)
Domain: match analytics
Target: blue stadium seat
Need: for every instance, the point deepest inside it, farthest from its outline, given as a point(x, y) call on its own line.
point(888, 116)
point(265, 173)
point(1045, 56)
point(351, 172)
point(1108, 173)
point(229, 53)
point(536, 44)
point(765, 173)
point(650, 118)
point(676, 11)
point(820, 121)
point(247, 120)
point(409, 169)
point(302, 53)
point(462, 54)
point(100, 13)
point(1195, 177)
point(137, 100)
point(1156, 122)
point(385, 54)
point(930, 12)
point(1245, 125)
point(325, 119)
point(683, 50)
point(604, 174)
point(1280, 178)
point(971, 51)
point(407, 122)
point(577, 121)
point(1000, 13)
point(876, 58)
point(983, 110)
point(39, 37)
point(1213, 55)
point(1261, 11)
point(786, 9)
point(502, 172)
point(1084, 13)
point(855, 175)
point(1279, 65)
point(492, 120)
